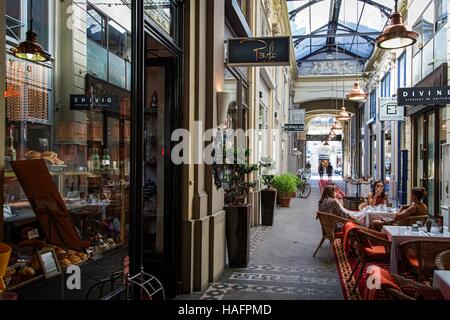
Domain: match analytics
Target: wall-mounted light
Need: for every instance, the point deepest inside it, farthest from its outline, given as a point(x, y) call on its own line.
point(224, 99)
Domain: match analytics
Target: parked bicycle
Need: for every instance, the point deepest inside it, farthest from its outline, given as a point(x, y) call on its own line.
point(304, 188)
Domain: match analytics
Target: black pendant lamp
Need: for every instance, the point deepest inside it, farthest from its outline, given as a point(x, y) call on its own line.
point(396, 35)
point(31, 49)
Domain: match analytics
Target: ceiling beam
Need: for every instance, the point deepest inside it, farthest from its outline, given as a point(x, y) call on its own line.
point(333, 23)
point(385, 10)
point(339, 35)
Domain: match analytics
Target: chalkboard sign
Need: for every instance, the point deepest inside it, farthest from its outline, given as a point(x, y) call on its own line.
point(257, 52)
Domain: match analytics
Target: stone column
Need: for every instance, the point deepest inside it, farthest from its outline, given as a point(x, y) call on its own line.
point(215, 34)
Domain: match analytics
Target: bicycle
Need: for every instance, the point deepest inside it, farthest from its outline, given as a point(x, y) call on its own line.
point(304, 188)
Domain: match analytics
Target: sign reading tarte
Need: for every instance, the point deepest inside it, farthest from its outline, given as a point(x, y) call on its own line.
point(423, 96)
point(258, 52)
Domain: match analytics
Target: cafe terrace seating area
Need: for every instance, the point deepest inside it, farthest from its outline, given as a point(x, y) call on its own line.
point(399, 263)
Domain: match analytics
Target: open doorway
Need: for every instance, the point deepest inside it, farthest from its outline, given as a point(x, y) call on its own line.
point(161, 220)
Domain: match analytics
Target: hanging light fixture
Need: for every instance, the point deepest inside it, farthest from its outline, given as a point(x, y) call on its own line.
point(357, 93)
point(396, 35)
point(337, 126)
point(31, 49)
point(332, 135)
point(344, 115)
point(326, 143)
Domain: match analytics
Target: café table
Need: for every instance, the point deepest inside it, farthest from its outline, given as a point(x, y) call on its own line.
point(399, 234)
point(367, 216)
point(441, 281)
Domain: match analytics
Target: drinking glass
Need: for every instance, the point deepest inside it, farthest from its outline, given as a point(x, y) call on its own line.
point(419, 224)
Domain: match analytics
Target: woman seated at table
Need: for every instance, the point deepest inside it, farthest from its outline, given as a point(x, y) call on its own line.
point(377, 197)
point(417, 208)
point(329, 204)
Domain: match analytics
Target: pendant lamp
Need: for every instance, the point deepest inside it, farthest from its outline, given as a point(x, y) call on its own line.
point(337, 126)
point(31, 49)
point(396, 35)
point(344, 115)
point(357, 93)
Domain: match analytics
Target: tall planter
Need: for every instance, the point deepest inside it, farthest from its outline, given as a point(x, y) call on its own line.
point(268, 198)
point(238, 235)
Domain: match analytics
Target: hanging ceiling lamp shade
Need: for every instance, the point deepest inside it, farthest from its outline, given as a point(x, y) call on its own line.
point(326, 143)
point(356, 93)
point(337, 126)
point(396, 35)
point(344, 115)
point(31, 49)
point(332, 135)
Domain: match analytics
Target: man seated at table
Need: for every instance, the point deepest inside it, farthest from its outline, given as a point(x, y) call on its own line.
point(417, 208)
point(377, 197)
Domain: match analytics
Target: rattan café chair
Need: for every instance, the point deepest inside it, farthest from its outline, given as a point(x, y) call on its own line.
point(419, 256)
point(409, 221)
point(443, 260)
point(373, 246)
point(411, 290)
point(329, 224)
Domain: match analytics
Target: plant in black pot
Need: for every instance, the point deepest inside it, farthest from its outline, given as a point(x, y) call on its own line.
point(269, 193)
point(238, 211)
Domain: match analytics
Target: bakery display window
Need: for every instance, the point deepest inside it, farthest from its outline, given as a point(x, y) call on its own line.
point(66, 180)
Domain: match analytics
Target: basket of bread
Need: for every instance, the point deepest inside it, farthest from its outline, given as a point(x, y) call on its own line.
point(50, 157)
point(69, 257)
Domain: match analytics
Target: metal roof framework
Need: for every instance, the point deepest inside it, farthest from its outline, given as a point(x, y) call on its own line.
point(350, 28)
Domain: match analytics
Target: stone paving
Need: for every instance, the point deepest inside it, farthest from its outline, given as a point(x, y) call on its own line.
point(281, 265)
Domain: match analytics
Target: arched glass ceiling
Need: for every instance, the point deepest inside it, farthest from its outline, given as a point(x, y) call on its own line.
point(328, 26)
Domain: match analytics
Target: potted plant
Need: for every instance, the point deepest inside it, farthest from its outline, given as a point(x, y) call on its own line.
point(285, 186)
point(269, 194)
point(237, 187)
point(297, 181)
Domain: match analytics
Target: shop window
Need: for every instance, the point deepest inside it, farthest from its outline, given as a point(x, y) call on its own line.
point(95, 26)
point(402, 80)
point(386, 85)
point(117, 40)
point(441, 13)
point(373, 104)
point(443, 125)
point(18, 14)
point(14, 19)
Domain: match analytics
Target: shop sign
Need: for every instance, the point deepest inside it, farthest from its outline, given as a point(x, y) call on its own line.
point(423, 96)
point(390, 111)
point(294, 127)
point(296, 121)
point(82, 102)
point(258, 52)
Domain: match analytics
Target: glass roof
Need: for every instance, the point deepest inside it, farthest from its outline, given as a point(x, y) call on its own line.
point(351, 26)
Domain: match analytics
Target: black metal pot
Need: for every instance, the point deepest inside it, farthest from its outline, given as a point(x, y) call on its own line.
point(268, 198)
point(238, 235)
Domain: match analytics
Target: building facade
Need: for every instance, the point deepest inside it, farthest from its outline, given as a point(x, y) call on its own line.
point(411, 152)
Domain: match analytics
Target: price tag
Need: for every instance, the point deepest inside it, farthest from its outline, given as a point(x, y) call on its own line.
point(33, 234)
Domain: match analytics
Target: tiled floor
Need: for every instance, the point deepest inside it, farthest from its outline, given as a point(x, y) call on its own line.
point(281, 263)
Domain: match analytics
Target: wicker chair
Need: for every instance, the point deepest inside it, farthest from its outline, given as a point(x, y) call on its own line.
point(443, 260)
point(329, 223)
point(373, 246)
point(409, 221)
point(411, 290)
point(419, 256)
